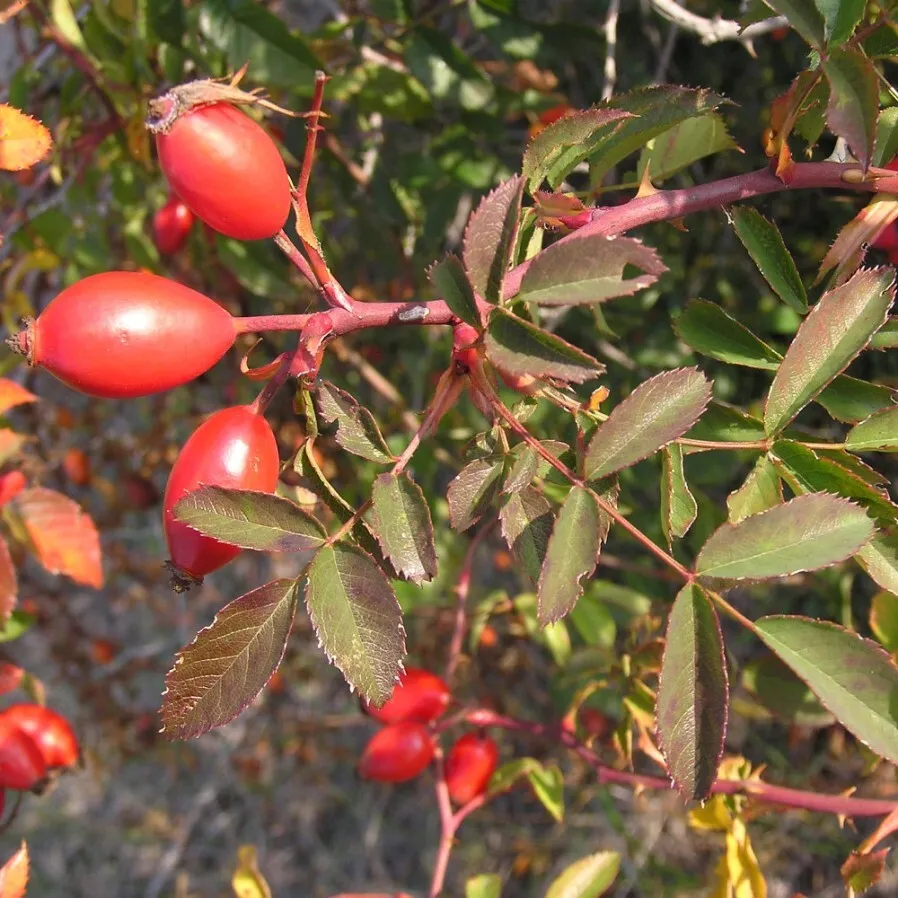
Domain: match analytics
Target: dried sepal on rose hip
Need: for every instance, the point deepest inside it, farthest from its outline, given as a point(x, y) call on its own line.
point(221, 162)
point(123, 334)
point(234, 448)
point(398, 752)
point(470, 764)
point(419, 695)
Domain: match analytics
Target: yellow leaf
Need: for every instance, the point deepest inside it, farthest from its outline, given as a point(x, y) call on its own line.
point(713, 815)
point(720, 885)
point(746, 878)
point(247, 881)
point(24, 141)
point(14, 874)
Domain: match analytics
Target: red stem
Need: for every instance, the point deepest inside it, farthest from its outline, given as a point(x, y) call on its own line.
point(842, 805)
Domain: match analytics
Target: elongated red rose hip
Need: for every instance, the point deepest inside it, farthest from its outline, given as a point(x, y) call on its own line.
point(226, 168)
point(419, 695)
point(171, 226)
point(397, 753)
point(469, 765)
point(50, 731)
point(22, 765)
point(127, 333)
point(234, 448)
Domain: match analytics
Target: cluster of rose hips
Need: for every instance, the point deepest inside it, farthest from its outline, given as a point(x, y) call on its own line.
point(124, 334)
point(404, 747)
point(36, 743)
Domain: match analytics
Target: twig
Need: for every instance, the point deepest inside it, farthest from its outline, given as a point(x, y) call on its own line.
point(712, 31)
point(462, 589)
point(610, 72)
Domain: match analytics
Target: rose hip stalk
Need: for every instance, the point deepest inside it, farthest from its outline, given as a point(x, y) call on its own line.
point(126, 333)
point(234, 448)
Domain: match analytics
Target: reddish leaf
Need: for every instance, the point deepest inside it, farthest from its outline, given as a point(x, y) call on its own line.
point(10, 444)
point(853, 100)
point(9, 587)
point(13, 394)
point(63, 536)
point(228, 664)
point(861, 871)
point(10, 677)
point(23, 140)
point(14, 874)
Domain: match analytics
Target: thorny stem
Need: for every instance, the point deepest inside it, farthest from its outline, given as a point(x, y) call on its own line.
point(291, 251)
point(448, 825)
point(563, 469)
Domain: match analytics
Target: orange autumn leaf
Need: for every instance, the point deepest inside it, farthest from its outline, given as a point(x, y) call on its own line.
point(12, 394)
point(14, 874)
point(63, 536)
point(24, 141)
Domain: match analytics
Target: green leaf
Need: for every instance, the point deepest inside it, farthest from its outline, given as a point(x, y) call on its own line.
point(884, 619)
point(835, 331)
point(229, 662)
point(783, 694)
point(851, 400)
point(589, 877)
point(66, 24)
point(887, 336)
point(357, 431)
point(593, 619)
point(572, 554)
point(722, 422)
point(489, 238)
point(878, 433)
point(486, 885)
point(765, 245)
point(251, 520)
point(589, 269)
point(401, 522)
point(472, 491)
point(556, 150)
point(879, 559)
point(19, 623)
point(882, 43)
point(804, 17)
point(528, 464)
point(519, 347)
point(683, 145)
point(509, 773)
point(840, 18)
point(678, 506)
point(272, 30)
point(853, 100)
point(656, 413)
point(548, 787)
point(807, 472)
point(806, 534)
point(166, 20)
point(762, 490)
point(654, 110)
point(451, 281)
point(527, 520)
point(693, 694)
point(707, 329)
point(853, 677)
point(357, 619)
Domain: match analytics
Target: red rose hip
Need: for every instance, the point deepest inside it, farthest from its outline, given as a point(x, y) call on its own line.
point(419, 695)
point(235, 448)
point(469, 765)
point(227, 169)
point(49, 730)
point(11, 484)
point(171, 226)
point(397, 753)
point(127, 333)
point(21, 762)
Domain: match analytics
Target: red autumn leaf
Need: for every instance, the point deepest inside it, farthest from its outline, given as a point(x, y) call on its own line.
point(9, 587)
point(14, 874)
point(24, 141)
point(10, 677)
point(11, 393)
point(64, 537)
